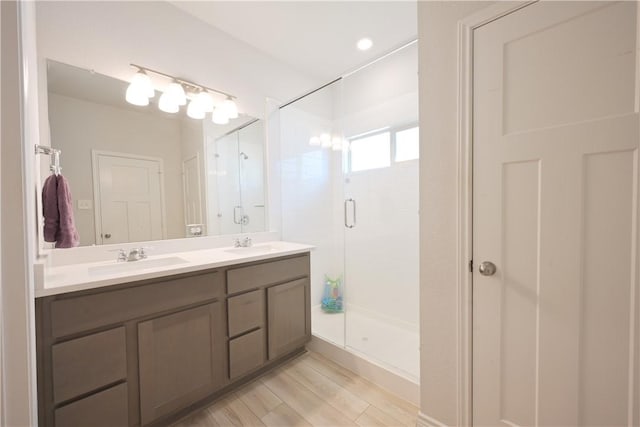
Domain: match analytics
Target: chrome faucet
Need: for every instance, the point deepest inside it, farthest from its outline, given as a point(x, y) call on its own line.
point(135, 254)
point(244, 243)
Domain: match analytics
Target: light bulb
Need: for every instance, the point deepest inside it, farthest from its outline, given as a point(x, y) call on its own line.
point(314, 140)
point(364, 44)
point(195, 110)
point(206, 101)
point(231, 108)
point(336, 143)
point(325, 140)
point(176, 92)
point(143, 83)
point(136, 96)
point(219, 116)
point(167, 103)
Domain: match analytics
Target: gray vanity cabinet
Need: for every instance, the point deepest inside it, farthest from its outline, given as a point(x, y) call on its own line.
point(148, 352)
point(181, 359)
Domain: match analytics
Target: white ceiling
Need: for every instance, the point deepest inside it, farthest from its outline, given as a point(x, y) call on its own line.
point(316, 37)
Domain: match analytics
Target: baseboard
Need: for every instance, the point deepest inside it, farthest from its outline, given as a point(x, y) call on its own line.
point(425, 420)
point(394, 383)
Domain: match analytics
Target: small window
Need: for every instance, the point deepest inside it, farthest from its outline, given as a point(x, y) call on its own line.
point(370, 152)
point(407, 144)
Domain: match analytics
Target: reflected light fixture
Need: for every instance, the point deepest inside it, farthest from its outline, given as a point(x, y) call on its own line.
point(364, 43)
point(315, 141)
point(231, 108)
point(201, 102)
point(136, 96)
point(325, 140)
point(219, 116)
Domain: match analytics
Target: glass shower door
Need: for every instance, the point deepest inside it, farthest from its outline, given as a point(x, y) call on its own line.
point(379, 118)
point(312, 198)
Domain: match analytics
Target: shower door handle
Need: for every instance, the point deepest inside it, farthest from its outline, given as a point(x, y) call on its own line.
point(346, 222)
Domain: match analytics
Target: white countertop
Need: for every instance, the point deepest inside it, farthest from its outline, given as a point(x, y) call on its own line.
point(78, 277)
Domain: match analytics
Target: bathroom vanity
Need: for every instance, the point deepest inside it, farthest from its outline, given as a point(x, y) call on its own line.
point(149, 351)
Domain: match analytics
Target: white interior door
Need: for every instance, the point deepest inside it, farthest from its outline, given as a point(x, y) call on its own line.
point(192, 191)
point(128, 199)
point(555, 202)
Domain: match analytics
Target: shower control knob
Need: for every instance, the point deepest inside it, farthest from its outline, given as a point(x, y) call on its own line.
point(487, 268)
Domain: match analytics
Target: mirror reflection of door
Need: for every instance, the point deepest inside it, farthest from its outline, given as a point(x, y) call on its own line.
point(192, 190)
point(128, 198)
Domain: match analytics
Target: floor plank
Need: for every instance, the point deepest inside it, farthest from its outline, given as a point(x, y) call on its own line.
point(306, 403)
point(232, 412)
point(258, 398)
point(283, 416)
point(374, 417)
point(309, 391)
point(338, 397)
point(404, 412)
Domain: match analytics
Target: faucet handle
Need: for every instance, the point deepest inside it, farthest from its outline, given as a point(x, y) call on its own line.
point(236, 242)
point(122, 254)
point(142, 251)
point(246, 242)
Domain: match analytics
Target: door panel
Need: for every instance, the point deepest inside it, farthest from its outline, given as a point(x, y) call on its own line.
point(555, 330)
point(182, 358)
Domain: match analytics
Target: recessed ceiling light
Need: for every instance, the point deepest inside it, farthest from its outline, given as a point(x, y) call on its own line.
point(365, 44)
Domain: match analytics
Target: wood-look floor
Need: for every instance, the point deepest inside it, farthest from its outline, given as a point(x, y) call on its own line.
point(310, 390)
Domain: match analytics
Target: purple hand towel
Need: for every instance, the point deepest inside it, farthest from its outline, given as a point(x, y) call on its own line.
point(67, 235)
point(50, 208)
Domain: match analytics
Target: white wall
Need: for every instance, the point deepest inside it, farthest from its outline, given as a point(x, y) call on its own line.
point(17, 240)
point(78, 126)
point(108, 36)
point(438, 32)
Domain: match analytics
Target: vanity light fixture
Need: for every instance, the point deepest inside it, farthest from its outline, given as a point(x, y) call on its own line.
point(168, 104)
point(195, 110)
point(230, 107)
point(200, 100)
point(176, 92)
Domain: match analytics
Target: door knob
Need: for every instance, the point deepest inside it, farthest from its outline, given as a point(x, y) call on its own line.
point(107, 236)
point(487, 268)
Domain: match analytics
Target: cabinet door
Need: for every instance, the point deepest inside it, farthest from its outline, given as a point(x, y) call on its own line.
point(289, 317)
point(181, 358)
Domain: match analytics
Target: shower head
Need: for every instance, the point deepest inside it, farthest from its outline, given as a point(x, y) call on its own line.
point(243, 155)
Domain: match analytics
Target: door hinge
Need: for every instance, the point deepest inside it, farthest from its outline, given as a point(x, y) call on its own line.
point(471, 266)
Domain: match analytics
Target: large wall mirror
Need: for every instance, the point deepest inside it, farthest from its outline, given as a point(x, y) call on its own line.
point(139, 174)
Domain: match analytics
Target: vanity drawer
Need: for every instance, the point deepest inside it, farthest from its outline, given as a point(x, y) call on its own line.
point(109, 408)
point(246, 353)
point(268, 273)
point(84, 312)
point(88, 363)
point(246, 312)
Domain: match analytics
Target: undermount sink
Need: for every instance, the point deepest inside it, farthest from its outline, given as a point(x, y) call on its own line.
point(252, 250)
point(124, 267)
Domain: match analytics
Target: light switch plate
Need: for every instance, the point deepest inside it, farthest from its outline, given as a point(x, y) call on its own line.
point(85, 204)
point(195, 230)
